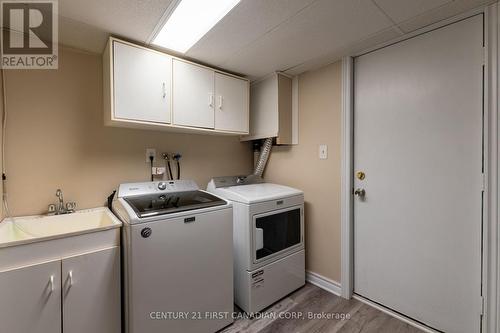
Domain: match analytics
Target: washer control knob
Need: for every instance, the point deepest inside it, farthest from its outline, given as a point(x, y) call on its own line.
point(146, 232)
point(162, 185)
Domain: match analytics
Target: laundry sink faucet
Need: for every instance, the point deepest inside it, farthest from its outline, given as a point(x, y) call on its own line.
point(60, 207)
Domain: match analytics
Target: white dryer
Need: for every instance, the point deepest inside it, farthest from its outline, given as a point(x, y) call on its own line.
point(268, 239)
point(177, 257)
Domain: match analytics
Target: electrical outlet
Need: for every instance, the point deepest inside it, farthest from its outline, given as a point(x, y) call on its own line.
point(323, 152)
point(150, 152)
point(158, 171)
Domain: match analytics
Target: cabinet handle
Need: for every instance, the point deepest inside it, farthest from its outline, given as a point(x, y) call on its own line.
point(221, 99)
point(211, 100)
point(164, 89)
point(51, 282)
point(70, 279)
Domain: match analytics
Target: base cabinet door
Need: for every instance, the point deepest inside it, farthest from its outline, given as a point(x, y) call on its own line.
point(30, 299)
point(231, 103)
point(91, 292)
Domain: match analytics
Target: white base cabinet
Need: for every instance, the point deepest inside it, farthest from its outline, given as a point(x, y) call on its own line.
point(91, 292)
point(148, 89)
point(30, 299)
point(71, 285)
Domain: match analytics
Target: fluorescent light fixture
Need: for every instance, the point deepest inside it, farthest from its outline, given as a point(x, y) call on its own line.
point(190, 21)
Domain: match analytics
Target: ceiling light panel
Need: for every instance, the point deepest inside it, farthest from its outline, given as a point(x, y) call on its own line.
point(190, 21)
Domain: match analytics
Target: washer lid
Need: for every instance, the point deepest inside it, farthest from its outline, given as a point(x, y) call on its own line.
point(168, 203)
point(257, 192)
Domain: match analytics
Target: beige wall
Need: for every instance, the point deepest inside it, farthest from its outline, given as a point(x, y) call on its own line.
point(56, 139)
point(299, 166)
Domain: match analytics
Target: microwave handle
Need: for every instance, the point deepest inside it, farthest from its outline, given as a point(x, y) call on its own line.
point(259, 238)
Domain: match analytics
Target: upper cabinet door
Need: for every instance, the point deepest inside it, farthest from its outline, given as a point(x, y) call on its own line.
point(142, 84)
point(91, 292)
point(30, 299)
point(193, 95)
point(231, 103)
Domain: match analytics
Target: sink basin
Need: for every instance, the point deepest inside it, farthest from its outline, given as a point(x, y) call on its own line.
point(9, 233)
point(37, 228)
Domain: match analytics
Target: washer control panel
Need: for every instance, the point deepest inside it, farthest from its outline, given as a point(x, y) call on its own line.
point(131, 189)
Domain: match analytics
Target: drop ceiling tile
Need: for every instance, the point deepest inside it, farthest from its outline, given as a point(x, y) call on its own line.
point(81, 36)
point(452, 9)
point(261, 36)
point(375, 40)
point(324, 27)
point(402, 10)
point(131, 18)
point(248, 21)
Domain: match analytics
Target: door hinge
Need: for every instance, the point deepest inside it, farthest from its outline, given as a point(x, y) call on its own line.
point(484, 55)
point(481, 312)
point(483, 182)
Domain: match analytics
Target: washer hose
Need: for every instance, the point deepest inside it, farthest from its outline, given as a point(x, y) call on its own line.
point(264, 156)
point(170, 174)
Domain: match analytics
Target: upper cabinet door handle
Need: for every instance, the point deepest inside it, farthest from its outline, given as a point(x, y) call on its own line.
point(51, 282)
point(211, 100)
point(70, 279)
point(164, 89)
point(221, 99)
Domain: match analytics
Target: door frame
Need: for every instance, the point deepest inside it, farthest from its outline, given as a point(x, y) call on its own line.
point(491, 225)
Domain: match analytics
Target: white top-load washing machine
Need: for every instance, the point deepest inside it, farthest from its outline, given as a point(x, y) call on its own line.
point(268, 221)
point(177, 257)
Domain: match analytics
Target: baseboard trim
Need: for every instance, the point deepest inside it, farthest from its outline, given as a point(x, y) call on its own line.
point(394, 314)
point(323, 283)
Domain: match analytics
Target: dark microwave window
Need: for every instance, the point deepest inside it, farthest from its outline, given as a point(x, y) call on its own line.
point(280, 231)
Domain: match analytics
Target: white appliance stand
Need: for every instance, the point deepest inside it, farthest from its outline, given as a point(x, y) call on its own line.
point(256, 290)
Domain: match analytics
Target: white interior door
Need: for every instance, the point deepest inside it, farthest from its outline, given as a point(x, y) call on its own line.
point(30, 299)
point(193, 95)
point(91, 292)
point(418, 139)
point(142, 84)
point(231, 111)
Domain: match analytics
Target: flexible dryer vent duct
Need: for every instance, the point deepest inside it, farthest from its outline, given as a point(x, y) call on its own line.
point(264, 156)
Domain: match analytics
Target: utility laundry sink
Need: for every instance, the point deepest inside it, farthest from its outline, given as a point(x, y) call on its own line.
point(61, 270)
point(10, 233)
point(21, 230)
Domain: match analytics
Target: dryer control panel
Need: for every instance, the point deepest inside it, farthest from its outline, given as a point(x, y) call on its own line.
point(228, 181)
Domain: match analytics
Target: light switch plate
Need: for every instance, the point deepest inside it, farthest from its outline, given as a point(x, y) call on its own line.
point(323, 152)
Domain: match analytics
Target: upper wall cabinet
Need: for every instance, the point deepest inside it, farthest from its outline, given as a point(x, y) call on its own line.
point(147, 89)
point(231, 103)
point(271, 110)
point(142, 84)
point(193, 93)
